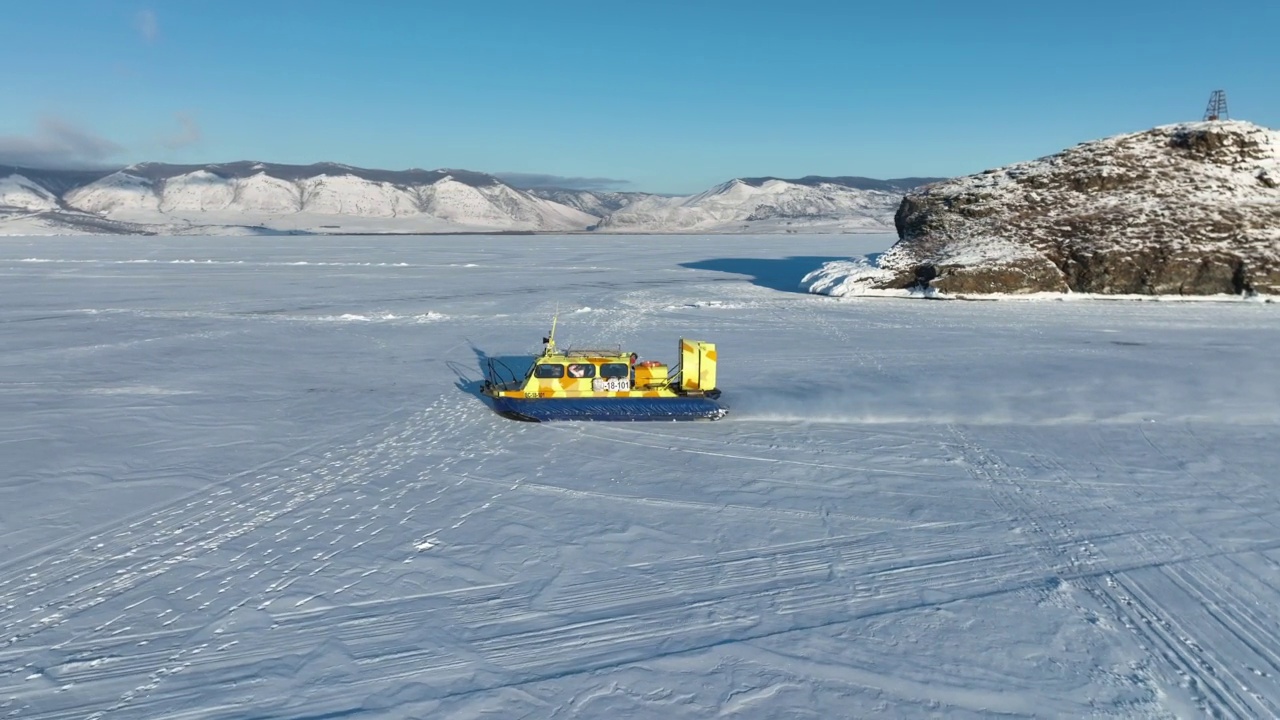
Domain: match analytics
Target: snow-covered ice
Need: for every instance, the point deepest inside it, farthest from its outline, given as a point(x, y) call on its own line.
point(253, 478)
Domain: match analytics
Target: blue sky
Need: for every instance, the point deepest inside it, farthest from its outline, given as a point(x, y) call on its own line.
point(666, 96)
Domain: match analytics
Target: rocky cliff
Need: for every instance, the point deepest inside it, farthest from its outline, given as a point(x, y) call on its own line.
point(1189, 209)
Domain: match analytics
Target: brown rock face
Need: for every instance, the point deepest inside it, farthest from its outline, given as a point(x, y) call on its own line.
point(1021, 276)
point(1190, 209)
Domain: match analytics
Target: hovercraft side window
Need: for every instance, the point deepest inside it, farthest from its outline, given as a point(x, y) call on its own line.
point(615, 370)
point(548, 370)
point(582, 370)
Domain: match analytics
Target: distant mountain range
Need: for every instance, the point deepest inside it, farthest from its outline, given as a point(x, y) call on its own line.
point(748, 205)
point(265, 198)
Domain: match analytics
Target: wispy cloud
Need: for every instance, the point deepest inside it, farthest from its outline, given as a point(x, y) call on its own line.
point(148, 25)
point(540, 180)
point(57, 143)
point(189, 135)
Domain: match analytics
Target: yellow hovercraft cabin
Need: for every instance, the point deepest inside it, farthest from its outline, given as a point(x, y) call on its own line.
point(609, 385)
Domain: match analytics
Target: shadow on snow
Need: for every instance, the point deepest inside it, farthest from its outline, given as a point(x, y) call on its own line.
point(506, 367)
point(782, 274)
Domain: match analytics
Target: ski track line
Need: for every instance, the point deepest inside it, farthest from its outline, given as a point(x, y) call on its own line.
point(272, 497)
point(1210, 682)
point(1007, 492)
point(1225, 604)
point(1222, 606)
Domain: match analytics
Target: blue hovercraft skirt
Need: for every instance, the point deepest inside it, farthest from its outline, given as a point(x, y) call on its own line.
point(613, 408)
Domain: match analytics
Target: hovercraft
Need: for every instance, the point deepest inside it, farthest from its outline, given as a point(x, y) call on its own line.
point(593, 384)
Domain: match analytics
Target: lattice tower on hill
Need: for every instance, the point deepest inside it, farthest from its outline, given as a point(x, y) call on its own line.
point(1217, 108)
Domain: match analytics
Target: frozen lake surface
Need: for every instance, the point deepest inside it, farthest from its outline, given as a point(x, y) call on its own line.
point(251, 477)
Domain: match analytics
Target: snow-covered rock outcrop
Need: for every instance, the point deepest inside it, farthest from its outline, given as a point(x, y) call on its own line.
point(1191, 209)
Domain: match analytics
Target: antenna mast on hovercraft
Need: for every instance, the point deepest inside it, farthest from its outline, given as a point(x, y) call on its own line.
point(550, 339)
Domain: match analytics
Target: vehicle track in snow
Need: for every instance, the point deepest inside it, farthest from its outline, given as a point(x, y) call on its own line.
point(243, 618)
point(61, 575)
point(221, 556)
point(514, 633)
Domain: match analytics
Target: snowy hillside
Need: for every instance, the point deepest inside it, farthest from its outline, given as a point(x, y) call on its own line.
point(17, 193)
point(761, 205)
point(261, 197)
point(330, 198)
point(1187, 209)
point(592, 202)
point(30, 204)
